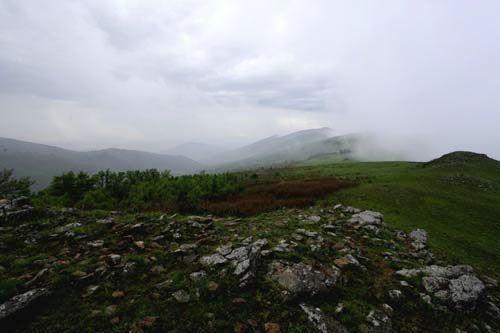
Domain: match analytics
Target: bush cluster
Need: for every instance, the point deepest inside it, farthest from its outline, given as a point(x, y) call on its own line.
point(11, 187)
point(139, 190)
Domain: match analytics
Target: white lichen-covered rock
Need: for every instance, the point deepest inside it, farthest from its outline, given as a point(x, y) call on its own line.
point(300, 278)
point(224, 249)
point(434, 270)
point(465, 291)
point(181, 296)
point(320, 322)
point(238, 254)
point(245, 259)
point(197, 276)
point(366, 217)
point(212, 260)
point(418, 239)
point(242, 267)
point(379, 322)
point(19, 302)
point(455, 285)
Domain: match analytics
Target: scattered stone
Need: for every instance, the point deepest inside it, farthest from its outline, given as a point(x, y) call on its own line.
point(378, 321)
point(351, 210)
point(165, 284)
point(321, 323)
point(114, 259)
point(307, 233)
point(314, 218)
point(139, 244)
point(181, 296)
point(97, 243)
point(212, 260)
point(395, 294)
point(110, 310)
point(91, 290)
point(129, 268)
point(434, 270)
point(387, 309)
point(197, 276)
point(118, 294)
point(426, 298)
point(346, 261)
point(212, 286)
point(185, 248)
point(67, 227)
point(366, 217)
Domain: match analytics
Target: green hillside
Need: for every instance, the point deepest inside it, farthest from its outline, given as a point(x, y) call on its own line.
point(455, 198)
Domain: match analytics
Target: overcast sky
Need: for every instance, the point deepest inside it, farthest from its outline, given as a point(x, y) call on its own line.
point(152, 74)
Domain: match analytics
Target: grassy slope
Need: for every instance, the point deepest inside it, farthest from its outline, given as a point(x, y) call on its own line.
point(462, 218)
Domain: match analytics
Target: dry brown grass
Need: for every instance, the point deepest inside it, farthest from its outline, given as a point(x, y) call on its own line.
point(259, 198)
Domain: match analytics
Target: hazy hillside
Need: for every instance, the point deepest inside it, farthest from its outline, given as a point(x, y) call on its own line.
point(275, 148)
point(309, 145)
point(42, 162)
point(196, 151)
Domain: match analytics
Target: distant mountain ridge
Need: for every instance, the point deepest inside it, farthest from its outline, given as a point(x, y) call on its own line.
point(42, 162)
point(274, 147)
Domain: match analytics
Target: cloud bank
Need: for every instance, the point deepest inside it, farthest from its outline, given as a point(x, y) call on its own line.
point(152, 74)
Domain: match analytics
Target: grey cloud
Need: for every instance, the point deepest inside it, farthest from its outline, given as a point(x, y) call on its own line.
point(158, 73)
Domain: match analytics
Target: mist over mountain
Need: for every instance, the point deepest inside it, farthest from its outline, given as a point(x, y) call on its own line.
point(196, 150)
point(42, 162)
point(274, 147)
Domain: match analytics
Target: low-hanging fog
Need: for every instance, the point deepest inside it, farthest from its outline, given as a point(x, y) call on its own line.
point(423, 75)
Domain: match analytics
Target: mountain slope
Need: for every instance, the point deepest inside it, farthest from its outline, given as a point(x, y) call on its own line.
point(42, 162)
point(310, 145)
point(272, 149)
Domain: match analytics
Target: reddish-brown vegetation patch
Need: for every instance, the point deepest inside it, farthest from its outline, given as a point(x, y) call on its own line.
point(259, 198)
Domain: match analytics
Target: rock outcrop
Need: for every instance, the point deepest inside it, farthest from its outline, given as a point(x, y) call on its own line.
point(21, 302)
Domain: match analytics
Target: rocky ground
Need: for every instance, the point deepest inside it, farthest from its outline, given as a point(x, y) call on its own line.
point(333, 269)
